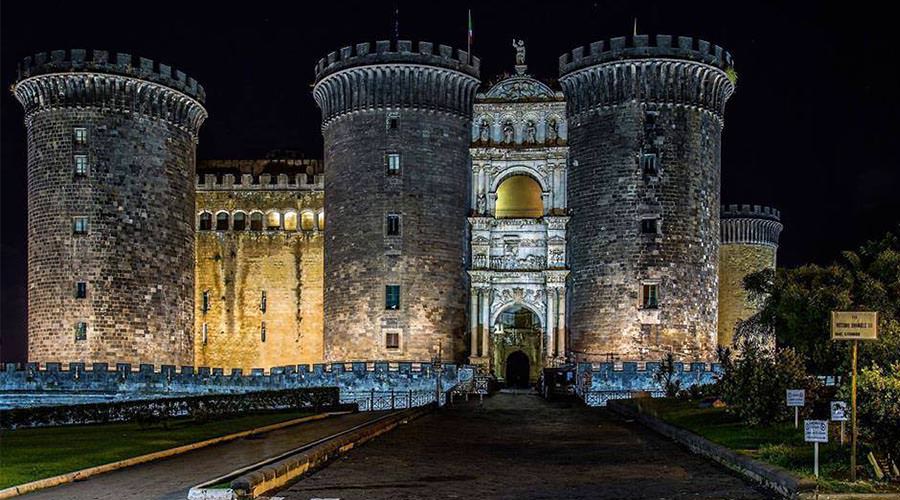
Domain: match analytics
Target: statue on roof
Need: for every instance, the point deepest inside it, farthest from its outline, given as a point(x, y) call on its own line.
point(519, 45)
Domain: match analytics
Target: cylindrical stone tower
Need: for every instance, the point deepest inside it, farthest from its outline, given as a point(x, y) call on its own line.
point(749, 243)
point(396, 120)
point(645, 128)
point(111, 148)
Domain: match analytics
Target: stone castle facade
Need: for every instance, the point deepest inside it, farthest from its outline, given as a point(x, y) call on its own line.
point(512, 225)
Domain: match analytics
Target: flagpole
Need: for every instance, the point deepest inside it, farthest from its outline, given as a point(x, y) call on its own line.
point(469, 39)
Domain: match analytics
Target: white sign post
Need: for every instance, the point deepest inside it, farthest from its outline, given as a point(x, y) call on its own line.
point(839, 414)
point(815, 431)
point(796, 398)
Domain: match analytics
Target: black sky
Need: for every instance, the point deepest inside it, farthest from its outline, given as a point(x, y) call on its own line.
point(812, 128)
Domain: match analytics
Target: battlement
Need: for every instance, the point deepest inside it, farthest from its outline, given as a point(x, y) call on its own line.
point(400, 51)
point(750, 212)
point(750, 225)
point(645, 47)
point(77, 60)
point(261, 182)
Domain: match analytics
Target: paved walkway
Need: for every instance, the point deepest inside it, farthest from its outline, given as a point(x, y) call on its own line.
point(519, 446)
point(171, 478)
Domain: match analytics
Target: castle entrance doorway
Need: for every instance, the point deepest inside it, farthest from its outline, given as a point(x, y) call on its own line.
point(517, 372)
point(516, 346)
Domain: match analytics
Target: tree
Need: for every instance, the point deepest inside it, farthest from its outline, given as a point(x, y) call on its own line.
point(797, 303)
point(667, 377)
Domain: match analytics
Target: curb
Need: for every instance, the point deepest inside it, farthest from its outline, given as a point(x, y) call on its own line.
point(769, 476)
point(82, 474)
point(278, 474)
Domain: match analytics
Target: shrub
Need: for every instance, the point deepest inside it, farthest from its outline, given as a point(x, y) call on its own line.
point(755, 385)
point(878, 403)
point(667, 377)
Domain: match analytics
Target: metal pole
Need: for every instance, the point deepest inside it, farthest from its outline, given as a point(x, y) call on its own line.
point(796, 417)
point(853, 429)
point(842, 433)
point(816, 459)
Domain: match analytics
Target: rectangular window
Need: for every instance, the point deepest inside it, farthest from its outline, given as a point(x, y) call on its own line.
point(262, 301)
point(392, 340)
point(262, 331)
point(204, 302)
point(80, 331)
point(393, 225)
point(205, 331)
point(81, 165)
point(392, 297)
point(81, 290)
point(650, 296)
point(79, 135)
point(80, 225)
point(649, 164)
point(650, 225)
point(393, 163)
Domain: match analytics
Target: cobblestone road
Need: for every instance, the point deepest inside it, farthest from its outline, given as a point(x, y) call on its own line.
point(519, 446)
point(172, 477)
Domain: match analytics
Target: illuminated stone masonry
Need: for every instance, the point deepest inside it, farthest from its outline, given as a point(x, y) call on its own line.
point(518, 226)
point(260, 227)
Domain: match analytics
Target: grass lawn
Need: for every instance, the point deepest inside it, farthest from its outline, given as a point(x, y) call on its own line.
point(32, 454)
point(779, 444)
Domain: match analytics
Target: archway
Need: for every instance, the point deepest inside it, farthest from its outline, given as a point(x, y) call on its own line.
point(517, 329)
point(519, 196)
point(517, 369)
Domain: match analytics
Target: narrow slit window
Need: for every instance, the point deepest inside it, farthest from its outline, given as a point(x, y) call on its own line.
point(393, 225)
point(262, 331)
point(392, 297)
point(80, 331)
point(204, 302)
point(263, 299)
point(650, 296)
point(81, 165)
point(393, 163)
point(81, 290)
point(205, 331)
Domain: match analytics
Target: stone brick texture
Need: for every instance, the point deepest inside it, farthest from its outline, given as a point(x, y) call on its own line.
point(426, 260)
point(235, 267)
point(137, 257)
point(735, 262)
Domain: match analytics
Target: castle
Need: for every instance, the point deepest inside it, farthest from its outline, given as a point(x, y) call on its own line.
point(511, 225)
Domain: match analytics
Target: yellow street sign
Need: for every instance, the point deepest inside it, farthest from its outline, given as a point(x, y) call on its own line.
point(854, 325)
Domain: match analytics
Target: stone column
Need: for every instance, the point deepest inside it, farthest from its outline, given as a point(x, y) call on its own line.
point(473, 322)
point(551, 323)
point(561, 325)
point(486, 320)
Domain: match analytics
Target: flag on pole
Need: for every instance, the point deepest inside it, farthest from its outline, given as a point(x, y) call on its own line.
point(470, 36)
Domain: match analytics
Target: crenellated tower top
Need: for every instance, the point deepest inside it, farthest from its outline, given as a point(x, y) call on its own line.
point(658, 70)
point(67, 78)
point(750, 224)
point(390, 75)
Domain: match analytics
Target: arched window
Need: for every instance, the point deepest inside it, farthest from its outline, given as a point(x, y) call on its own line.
point(205, 221)
point(519, 196)
point(239, 221)
point(307, 221)
point(256, 221)
point(222, 221)
point(290, 221)
point(321, 221)
point(273, 221)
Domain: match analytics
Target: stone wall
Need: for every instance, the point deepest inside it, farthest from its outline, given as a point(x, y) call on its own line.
point(136, 194)
point(235, 267)
point(376, 100)
point(628, 100)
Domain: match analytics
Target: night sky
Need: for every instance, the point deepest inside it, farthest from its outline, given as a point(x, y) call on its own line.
point(812, 129)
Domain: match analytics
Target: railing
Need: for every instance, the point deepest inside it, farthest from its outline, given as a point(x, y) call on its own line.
point(373, 400)
point(599, 398)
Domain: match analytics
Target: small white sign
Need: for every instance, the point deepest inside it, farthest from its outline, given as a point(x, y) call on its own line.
point(815, 431)
point(839, 411)
point(796, 397)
